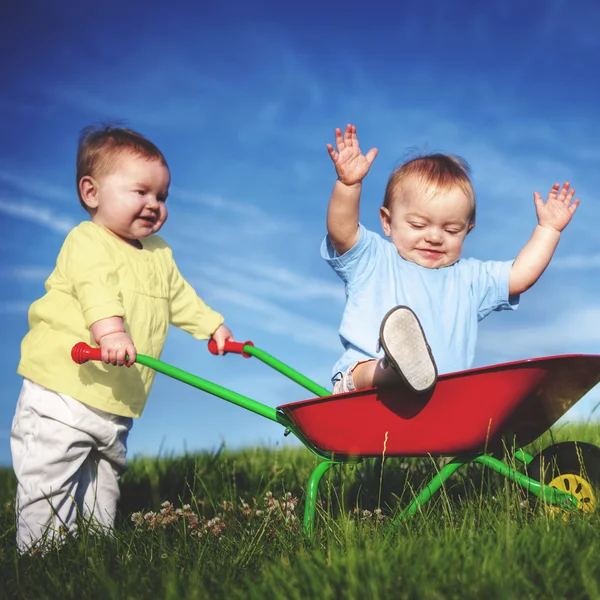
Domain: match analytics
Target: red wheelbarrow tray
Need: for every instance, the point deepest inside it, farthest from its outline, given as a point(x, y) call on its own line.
point(468, 411)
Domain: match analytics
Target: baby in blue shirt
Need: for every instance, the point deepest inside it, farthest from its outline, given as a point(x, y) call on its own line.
point(414, 304)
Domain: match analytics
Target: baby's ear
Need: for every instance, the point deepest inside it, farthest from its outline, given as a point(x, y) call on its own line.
point(471, 225)
point(386, 220)
point(88, 191)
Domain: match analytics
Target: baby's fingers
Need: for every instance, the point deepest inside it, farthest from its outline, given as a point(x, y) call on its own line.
point(564, 191)
point(109, 354)
point(340, 141)
point(371, 154)
point(574, 205)
point(131, 355)
point(112, 357)
point(553, 193)
point(349, 135)
point(354, 138)
point(569, 196)
point(105, 354)
point(120, 357)
point(221, 345)
point(332, 153)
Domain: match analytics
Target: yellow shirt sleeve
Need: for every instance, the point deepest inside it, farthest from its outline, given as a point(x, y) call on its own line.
point(188, 311)
point(91, 269)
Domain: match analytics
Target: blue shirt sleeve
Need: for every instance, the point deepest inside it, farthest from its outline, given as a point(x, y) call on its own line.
point(358, 262)
point(491, 280)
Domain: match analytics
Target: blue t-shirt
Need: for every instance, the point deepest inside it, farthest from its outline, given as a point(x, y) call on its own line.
point(449, 301)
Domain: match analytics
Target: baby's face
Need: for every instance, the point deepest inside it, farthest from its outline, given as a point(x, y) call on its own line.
point(428, 231)
point(131, 199)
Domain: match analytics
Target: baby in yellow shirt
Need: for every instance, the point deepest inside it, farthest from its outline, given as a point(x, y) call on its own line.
point(115, 284)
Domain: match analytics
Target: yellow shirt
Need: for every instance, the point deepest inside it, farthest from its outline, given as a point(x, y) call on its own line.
point(98, 276)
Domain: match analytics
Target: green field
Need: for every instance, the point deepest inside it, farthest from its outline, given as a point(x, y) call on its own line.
point(232, 528)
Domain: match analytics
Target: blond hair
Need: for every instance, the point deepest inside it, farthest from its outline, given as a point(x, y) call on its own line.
point(439, 172)
point(100, 146)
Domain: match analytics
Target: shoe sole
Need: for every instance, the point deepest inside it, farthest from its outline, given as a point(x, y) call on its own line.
point(405, 346)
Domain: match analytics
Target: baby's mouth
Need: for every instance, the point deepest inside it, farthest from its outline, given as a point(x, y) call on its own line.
point(431, 252)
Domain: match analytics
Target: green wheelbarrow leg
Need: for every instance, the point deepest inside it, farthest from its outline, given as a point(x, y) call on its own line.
point(431, 488)
point(560, 498)
point(523, 456)
point(310, 506)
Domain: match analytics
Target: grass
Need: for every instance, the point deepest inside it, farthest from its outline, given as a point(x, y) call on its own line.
point(233, 530)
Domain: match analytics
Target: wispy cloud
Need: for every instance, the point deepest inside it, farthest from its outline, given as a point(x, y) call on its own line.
point(37, 214)
point(138, 94)
point(272, 281)
point(177, 112)
point(16, 307)
point(577, 262)
point(257, 217)
point(28, 273)
point(272, 318)
point(572, 331)
point(33, 186)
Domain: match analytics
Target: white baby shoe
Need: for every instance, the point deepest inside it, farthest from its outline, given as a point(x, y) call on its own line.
point(406, 349)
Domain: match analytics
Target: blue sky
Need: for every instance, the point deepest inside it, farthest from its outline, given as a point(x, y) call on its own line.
point(242, 98)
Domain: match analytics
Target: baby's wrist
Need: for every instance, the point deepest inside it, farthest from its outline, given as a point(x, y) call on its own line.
point(549, 228)
point(354, 185)
point(105, 335)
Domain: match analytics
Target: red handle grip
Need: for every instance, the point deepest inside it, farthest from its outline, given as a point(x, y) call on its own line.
point(81, 353)
point(230, 346)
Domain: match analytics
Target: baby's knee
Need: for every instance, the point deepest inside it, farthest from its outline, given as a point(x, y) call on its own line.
point(357, 376)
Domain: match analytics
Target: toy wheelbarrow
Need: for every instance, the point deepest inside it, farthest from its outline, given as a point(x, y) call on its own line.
point(470, 415)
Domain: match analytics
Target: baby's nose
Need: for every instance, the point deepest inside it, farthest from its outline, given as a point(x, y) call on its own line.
point(433, 235)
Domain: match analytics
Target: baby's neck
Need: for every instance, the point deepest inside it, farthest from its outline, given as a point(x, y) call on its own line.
point(135, 243)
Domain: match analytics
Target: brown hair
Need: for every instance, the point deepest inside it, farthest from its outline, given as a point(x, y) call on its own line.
point(100, 146)
point(440, 172)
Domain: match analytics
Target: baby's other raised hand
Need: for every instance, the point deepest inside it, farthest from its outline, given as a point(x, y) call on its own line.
point(557, 211)
point(351, 165)
point(115, 347)
point(221, 335)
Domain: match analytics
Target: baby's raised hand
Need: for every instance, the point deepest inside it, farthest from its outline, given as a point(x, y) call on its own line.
point(350, 164)
point(115, 346)
point(558, 209)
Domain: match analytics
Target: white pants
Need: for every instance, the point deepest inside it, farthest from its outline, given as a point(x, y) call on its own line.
point(68, 458)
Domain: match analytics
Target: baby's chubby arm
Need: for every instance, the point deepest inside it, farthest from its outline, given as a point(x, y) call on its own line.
point(115, 343)
point(553, 216)
point(351, 167)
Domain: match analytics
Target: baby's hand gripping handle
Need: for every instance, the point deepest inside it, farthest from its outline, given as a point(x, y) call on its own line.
point(230, 346)
point(81, 353)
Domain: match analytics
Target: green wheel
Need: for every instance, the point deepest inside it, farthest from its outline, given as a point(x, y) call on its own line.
point(571, 467)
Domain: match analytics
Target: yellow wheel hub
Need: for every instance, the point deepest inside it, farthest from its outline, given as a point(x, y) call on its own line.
point(578, 487)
